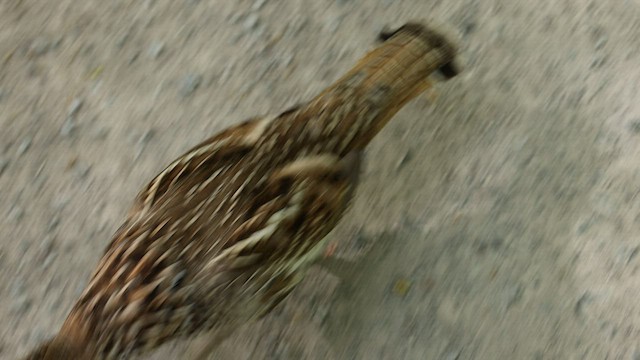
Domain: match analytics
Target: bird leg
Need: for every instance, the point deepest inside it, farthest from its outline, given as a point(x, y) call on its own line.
point(330, 250)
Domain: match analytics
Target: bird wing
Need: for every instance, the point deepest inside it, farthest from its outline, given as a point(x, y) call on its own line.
point(202, 162)
point(293, 212)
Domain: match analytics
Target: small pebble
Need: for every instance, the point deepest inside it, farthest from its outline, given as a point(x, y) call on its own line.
point(258, 4)
point(75, 106)
point(96, 72)
point(401, 287)
point(39, 47)
point(251, 22)
point(226, 73)
point(235, 18)
point(17, 288)
point(47, 261)
point(297, 25)
point(320, 313)
point(100, 133)
point(452, 355)
point(585, 299)
point(601, 42)
point(133, 57)
point(634, 126)
point(404, 159)
point(60, 202)
point(47, 244)
point(67, 127)
point(39, 170)
point(598, 62)
point(514, 295)
point(361, 241)
point(53, 224)
point(4, 164)
point(468, 27)
point(123, 39)
point(189, 84)
point(155, 49)
point(24, 146)
point(143, 141)
point(82, 170)
point(21, 304)
point(633, 254)
point(16, 213)
point(24, 246)
point(287, 60)
point(599, 36)
point(147, 136)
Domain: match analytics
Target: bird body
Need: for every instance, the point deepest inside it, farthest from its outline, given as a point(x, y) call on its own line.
point(227, 230)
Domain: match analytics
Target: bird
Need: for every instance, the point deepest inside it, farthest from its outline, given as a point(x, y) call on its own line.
point(226, 231)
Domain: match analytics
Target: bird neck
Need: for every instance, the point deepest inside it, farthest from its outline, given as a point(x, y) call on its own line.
point(59, 347)
point(381, 83)
point(74, 337)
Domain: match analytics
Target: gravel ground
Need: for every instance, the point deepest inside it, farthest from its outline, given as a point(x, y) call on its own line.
point(500, 221)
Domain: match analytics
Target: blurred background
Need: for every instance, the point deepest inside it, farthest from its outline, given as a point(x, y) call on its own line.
point(499, 221)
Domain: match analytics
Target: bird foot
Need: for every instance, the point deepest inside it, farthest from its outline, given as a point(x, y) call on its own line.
point(330, 250)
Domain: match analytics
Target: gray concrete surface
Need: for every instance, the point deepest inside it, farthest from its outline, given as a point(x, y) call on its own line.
point(501, 221)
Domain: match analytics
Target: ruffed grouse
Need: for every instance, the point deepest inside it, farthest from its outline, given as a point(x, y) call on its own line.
point(226, 231)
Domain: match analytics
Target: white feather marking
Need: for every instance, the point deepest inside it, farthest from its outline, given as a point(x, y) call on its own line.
point(210, 148)
point(235, 194)
point(116, 277)
point(179, 175)
point(280, 215)
point(191, 191)
point(211, 178)
point(193, 219)
point(186, 249)
point(156, 183)
point(158, 228)
point(215, 212)
point(257, 131)
point(130, 311)
point(304, 164)
point(225, 218)
point(134, 244)
point(250, 241)
point(111, 303)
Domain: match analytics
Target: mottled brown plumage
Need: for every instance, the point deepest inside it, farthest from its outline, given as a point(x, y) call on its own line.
point(227, 230)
